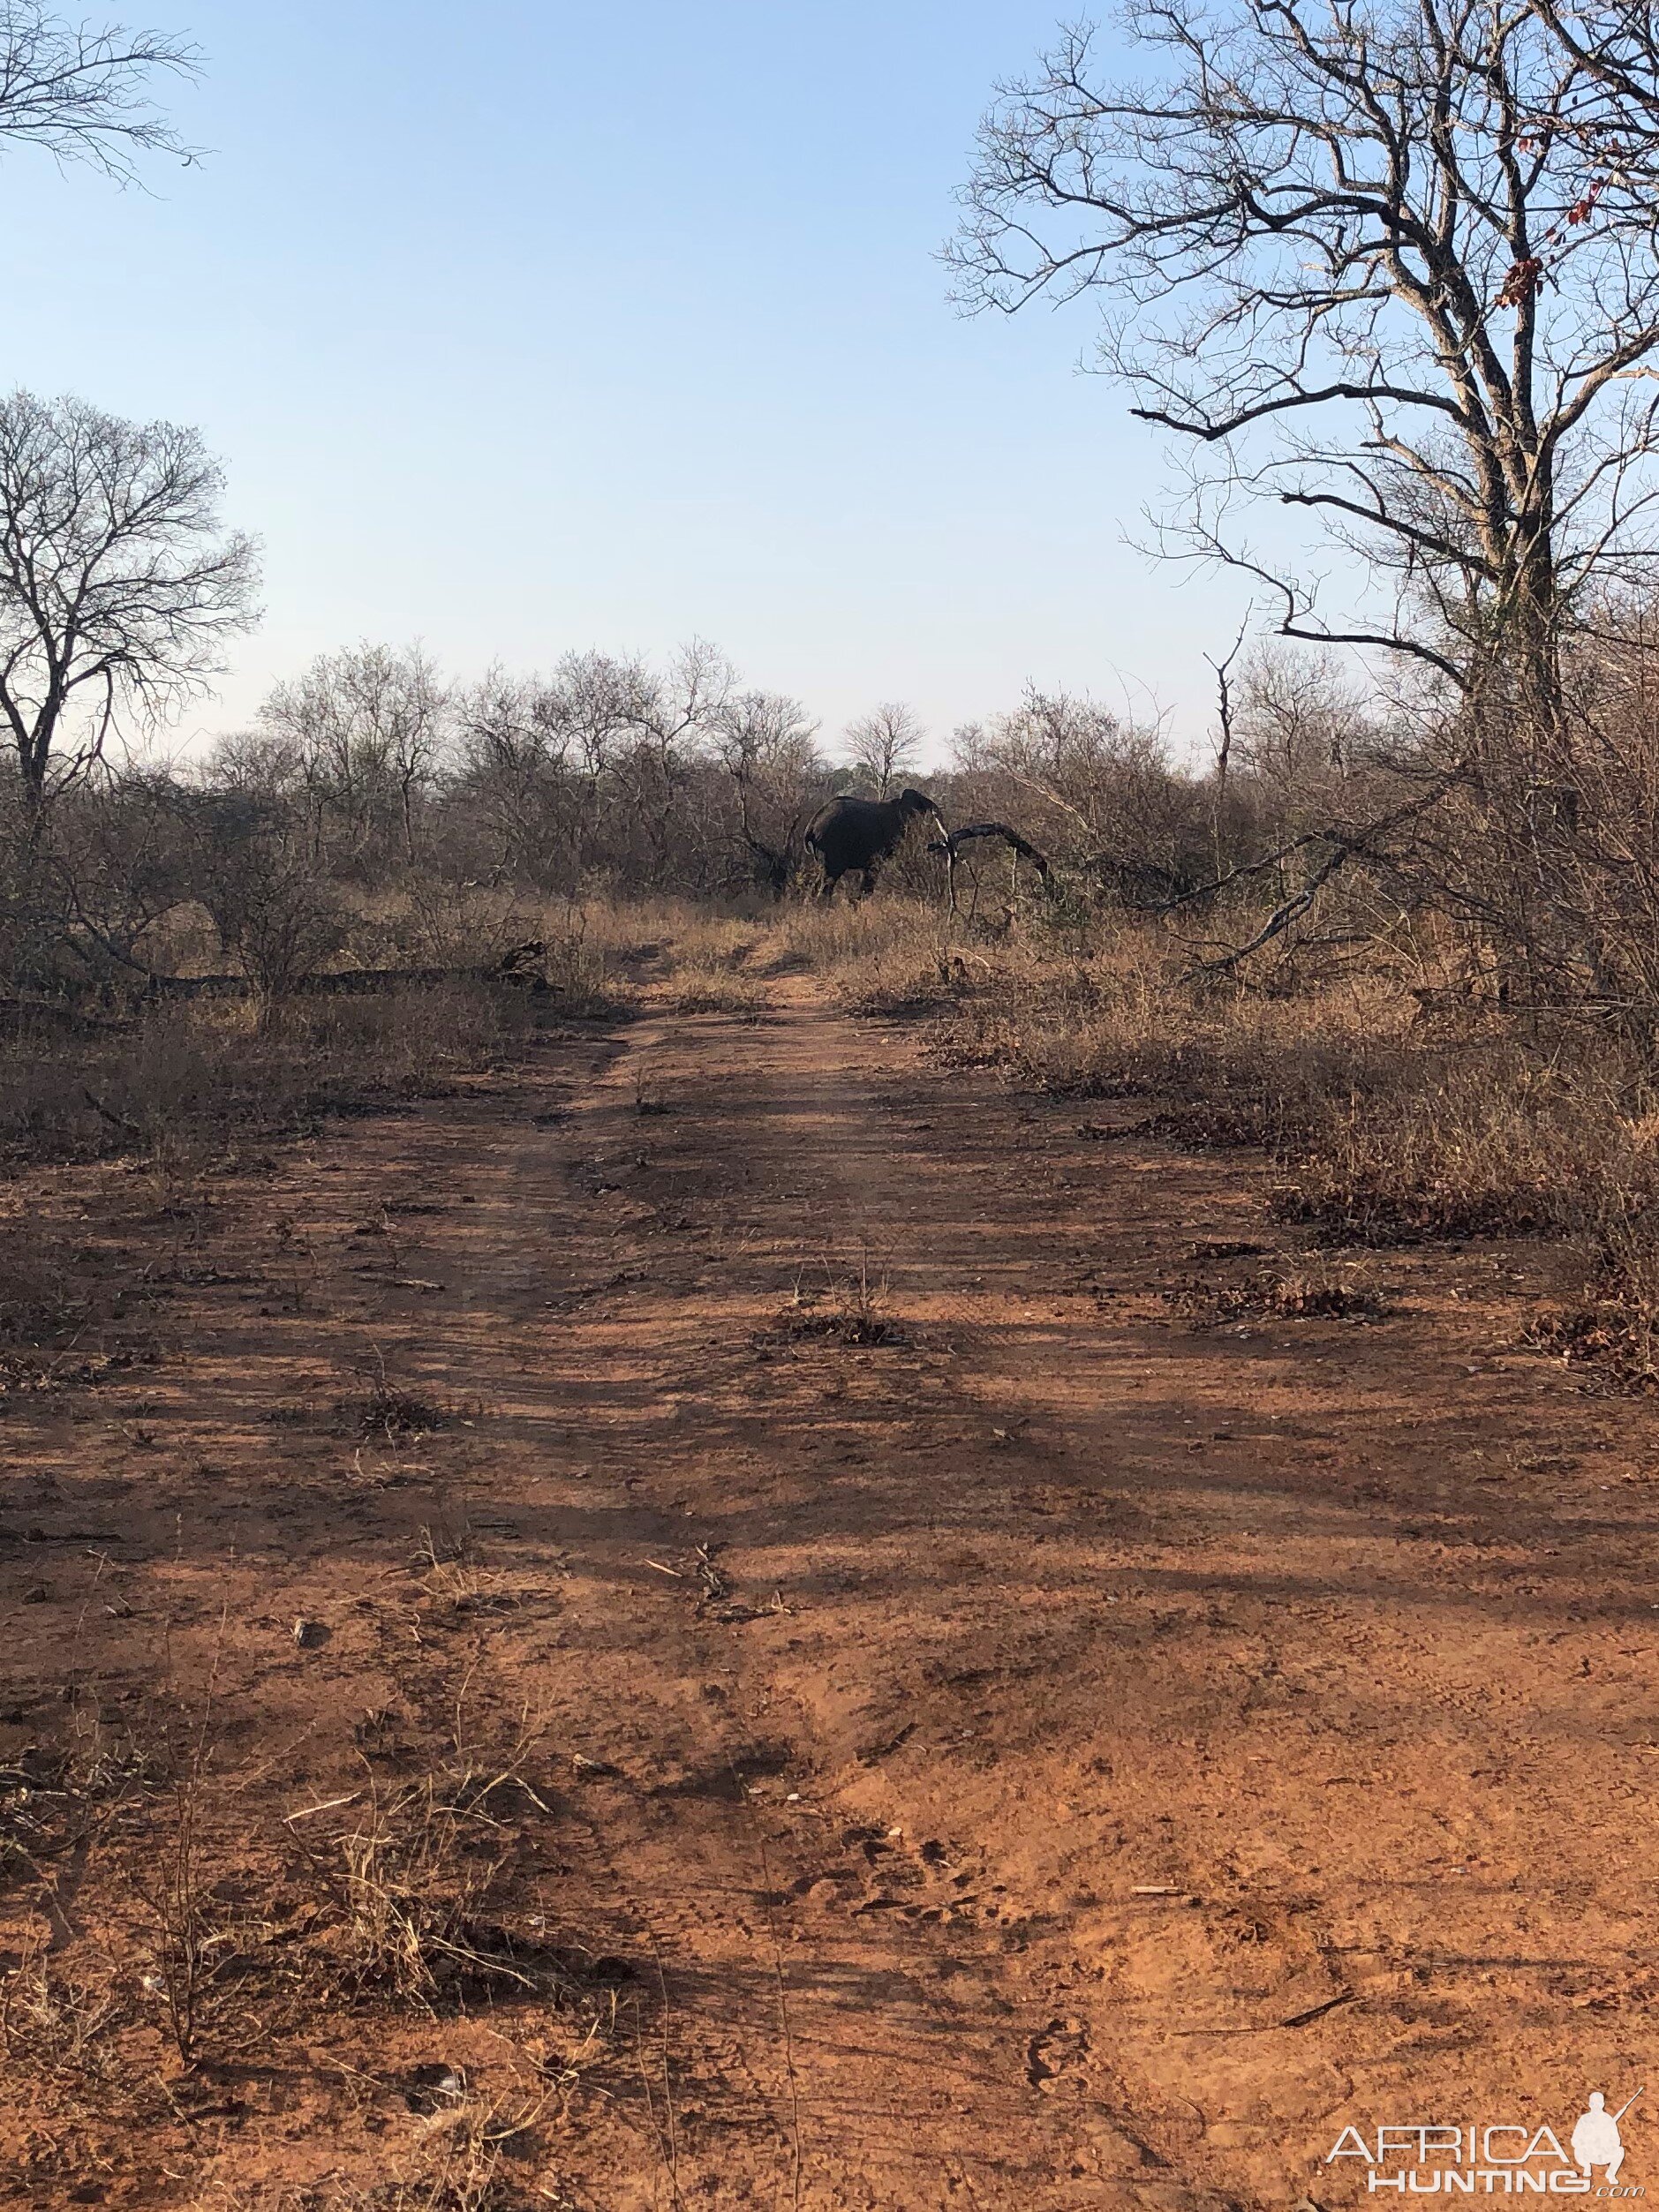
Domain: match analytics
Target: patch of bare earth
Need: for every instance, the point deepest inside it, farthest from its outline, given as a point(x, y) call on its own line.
point(723, 1618)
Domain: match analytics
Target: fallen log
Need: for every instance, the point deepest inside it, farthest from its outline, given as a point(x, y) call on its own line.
point(950, 845)
point(522, 969)
point(19, 1013)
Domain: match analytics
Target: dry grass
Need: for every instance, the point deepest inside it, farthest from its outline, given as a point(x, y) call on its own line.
point(413, 1900)
point(1481, 1139)
point(56, 1800)
point(1122, 1022)
point(1320, 1286)
point(38, 1303)
point(411, 1879)
point(217, 1069)
point(59, 2023)
point(230, 1931)
point(1611, 1328)
point(454, 2163)
point(433, 924)
point(391, 1414)
point(231, 1939)
point(708, 962)
point(713, 990)
point(881, 955)
point(211, 1073)
point(452, 1579)
point(1384, 1127)
point(846, 1306)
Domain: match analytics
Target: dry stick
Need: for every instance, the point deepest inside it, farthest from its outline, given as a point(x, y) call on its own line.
point(1345, 847)
point(1315, 2011)
point(1017, 844)
point(776, 1966)
point(1238, 873)
point(671, 2148)
point(667, 2074)
point(1224, 749)
point(1281, 918)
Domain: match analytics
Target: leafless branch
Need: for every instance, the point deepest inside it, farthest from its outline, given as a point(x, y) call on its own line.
point(85, 94)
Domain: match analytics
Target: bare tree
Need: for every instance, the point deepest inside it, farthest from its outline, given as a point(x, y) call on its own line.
point(1301, 727)
point(267, 890)
point(674, 715)
point(1616, 43)
point(1100, 794)
point(590, 768)
point(1380, 264)
point(516, 746)
point(767, 743)
point(84, 95)
point(117, 584)
point(885, 744)
point(366, 729)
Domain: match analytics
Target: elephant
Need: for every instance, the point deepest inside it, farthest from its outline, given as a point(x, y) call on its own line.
point(852, 835)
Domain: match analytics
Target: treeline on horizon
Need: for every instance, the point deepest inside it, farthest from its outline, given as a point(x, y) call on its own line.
point(612, 776)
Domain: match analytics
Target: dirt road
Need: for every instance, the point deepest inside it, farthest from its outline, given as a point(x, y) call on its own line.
point(1046, 1753)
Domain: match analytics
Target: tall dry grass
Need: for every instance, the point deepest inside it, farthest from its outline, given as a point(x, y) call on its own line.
point(1384, 1125)
point(212, 1070)
point(215, 1071)
point(886, 954)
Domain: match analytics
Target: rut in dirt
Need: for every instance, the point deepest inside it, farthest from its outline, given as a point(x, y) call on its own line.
point(1130, 1622)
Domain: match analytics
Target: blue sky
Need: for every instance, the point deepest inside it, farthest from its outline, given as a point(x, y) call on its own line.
point(525, 328)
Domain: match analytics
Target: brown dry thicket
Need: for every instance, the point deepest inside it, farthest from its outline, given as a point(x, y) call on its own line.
point(211, 1072)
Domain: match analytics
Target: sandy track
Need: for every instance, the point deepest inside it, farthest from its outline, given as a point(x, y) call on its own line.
point(1061, 1756)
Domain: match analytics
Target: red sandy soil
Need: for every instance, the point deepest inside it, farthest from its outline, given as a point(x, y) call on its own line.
point(1064, 1755)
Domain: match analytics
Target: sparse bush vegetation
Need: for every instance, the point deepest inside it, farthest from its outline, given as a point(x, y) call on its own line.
point(38, 1301)
point(1485, 1139)
point(1317, 1287)
point(392, 1413)
point(1397, 270)
point(846, 1306)
point(411, 1889)
point(228, 1944)
point(219, 1072)
point(1394, 1111)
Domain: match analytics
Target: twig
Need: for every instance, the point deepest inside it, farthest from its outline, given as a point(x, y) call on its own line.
point(1317, 2011)
point(330, 1805)
point(783, 2001)
point(116, 1121)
